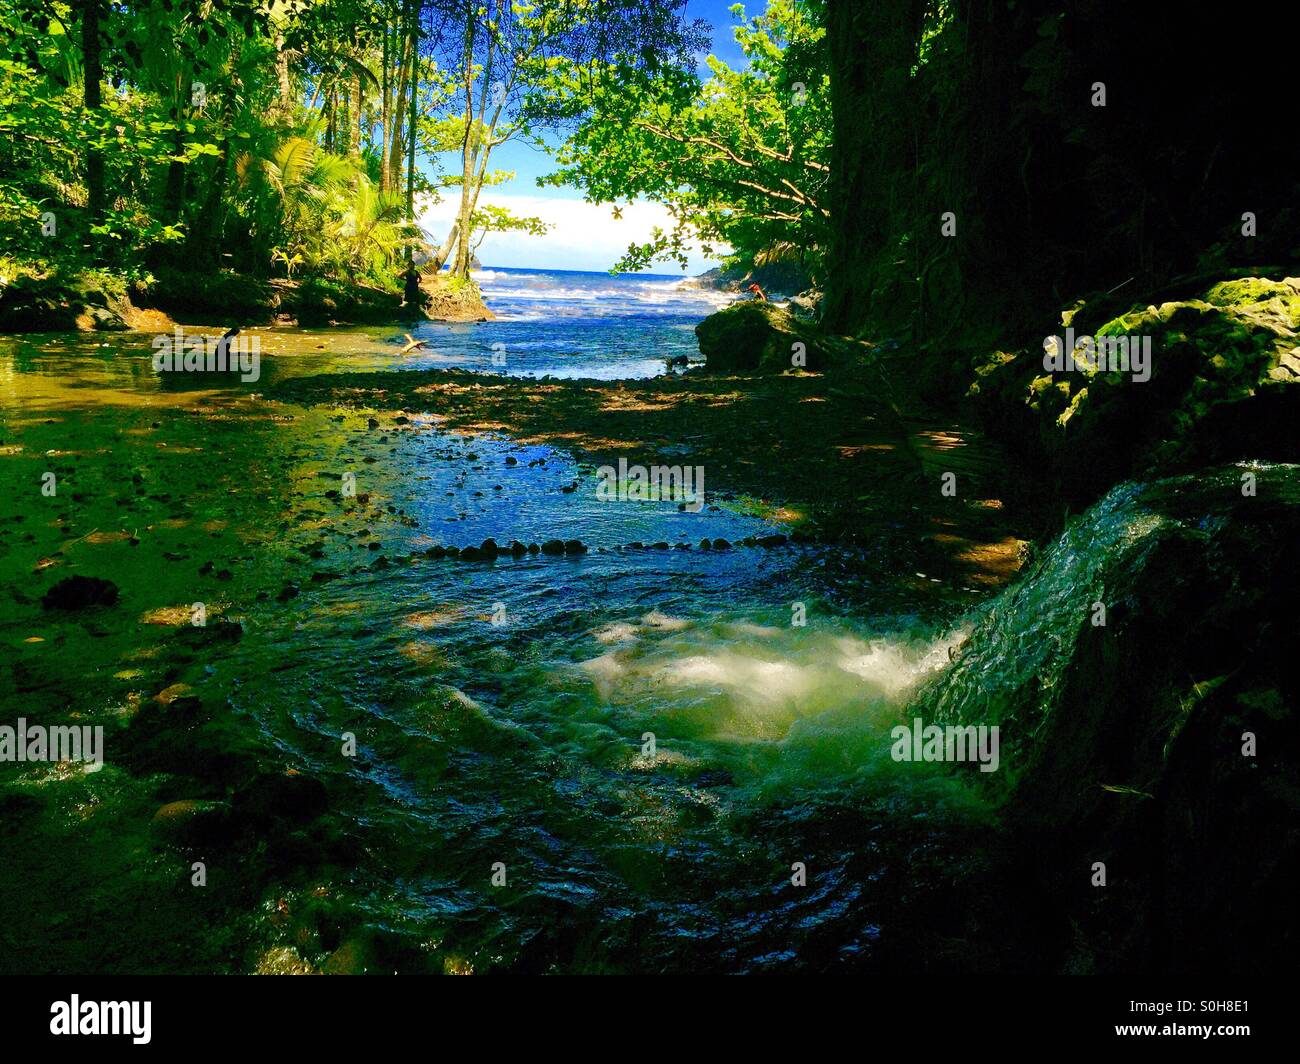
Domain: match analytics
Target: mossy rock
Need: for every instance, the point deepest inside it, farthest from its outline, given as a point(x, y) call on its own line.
point(756, 337)
point(93, 300)
point(38, 304)
point(1224, 368)
point(1126, 742)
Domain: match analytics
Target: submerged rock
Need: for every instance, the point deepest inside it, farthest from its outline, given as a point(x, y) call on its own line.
point(287, 796)
point(210, 634)
point(80, 593)
point(193, 822)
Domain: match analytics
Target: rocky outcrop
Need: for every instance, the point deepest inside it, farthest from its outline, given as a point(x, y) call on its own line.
point(212, 297)
point(1223, 384)
point(98, 301)
point(1142, 677)
point(320, 301)
point(778, 279)
point(451, 299)
point(754, 336)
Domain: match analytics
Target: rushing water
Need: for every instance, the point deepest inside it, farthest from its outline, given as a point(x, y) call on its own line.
point(639, 740)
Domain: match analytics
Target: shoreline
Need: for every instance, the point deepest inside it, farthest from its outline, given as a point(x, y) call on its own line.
point(101, 301)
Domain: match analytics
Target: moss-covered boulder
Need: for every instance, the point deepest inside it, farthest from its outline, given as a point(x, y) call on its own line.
point(32, 304)
point(1142, 678)
point(755, 336)
point(1223, 383)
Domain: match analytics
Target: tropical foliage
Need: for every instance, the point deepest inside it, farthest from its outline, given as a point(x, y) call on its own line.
point(740, 158)
point(286, 137)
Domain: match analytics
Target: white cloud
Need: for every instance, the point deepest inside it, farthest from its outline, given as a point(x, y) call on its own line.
point(583, 236)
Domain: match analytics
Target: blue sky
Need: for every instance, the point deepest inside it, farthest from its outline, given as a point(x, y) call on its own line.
point(583, 236)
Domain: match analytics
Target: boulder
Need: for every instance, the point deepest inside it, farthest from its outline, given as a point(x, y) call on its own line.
point(1224, 384)
point(80, 593)
point(1129, 742)
point(754, 336)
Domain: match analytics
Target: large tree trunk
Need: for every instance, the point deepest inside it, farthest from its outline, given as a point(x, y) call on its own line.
point(872, 49)
point(460, 267)
point(410, 125)
point(204, 243)
point(174, 189)
point(284, 82)
point(92, 60)
point(385, 113)
point(400, 87)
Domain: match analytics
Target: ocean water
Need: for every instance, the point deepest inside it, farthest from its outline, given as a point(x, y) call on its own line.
point(559, 323)
point(614, 761)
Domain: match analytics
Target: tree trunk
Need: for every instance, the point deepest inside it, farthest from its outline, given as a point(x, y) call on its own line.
point(204, 241)
point(460, 268)
point(92, 60)
point(872, 48)
point(354, 112)
point(410, 125)
point(284, 103)
point(174, 190)
point(398, 109)
point(443, 252)
point(384, 105)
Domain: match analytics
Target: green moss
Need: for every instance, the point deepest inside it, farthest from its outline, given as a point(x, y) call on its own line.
point(1232, 343)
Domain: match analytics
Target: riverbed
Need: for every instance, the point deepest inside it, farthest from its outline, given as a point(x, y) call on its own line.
point(649, 755)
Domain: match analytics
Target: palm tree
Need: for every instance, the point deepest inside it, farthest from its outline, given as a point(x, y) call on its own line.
point(291, 192)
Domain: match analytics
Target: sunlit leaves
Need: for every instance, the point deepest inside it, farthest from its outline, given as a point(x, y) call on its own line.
point(741, 158)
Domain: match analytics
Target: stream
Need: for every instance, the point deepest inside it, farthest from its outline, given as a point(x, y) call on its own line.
point(608, 761)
